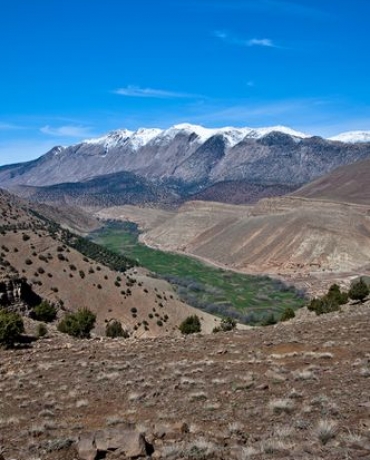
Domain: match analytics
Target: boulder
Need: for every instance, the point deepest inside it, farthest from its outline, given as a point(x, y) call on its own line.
point(171, 431)
point(86, 447)
point(127, 442)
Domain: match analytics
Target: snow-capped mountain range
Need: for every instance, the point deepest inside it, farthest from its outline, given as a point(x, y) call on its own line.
point(232, 135)
point(184, 160)
point(144, 136)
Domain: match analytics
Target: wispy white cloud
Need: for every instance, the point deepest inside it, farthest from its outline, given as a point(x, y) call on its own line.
point(136, 91)
point(233, 40)
point(9, 126)
point(67, 131)
point(261, 42)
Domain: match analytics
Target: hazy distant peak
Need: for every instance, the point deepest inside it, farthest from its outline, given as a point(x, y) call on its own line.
point(352, 137)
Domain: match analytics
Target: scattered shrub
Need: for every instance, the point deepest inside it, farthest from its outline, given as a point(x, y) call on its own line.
point(114, 329)
point(287, 314)
point(11, 328)
point(227, 324)
point(329, 302)
point(44, 312)
point(359, 291)
point(190, 325)
point(269, 320)
point(42, 330)
point(78, 324)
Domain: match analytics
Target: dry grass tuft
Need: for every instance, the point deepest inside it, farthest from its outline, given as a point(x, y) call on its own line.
point(326, 430)
point(279, 406)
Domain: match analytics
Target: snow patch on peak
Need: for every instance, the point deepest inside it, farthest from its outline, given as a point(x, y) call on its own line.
point(143, 136)
point(260, 132)
point(352, 137)
point(111, 138)
point(57, 150)
point(188, 129)
point(233, 135)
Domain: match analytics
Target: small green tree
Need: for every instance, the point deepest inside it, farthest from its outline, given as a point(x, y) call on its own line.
point(190, 325)
point(44, 312)
point(359, 291)
point(336, 295)
point(11, 328)
point(329, 302)
point(42, 330)
point(269, 320)
point(114, 329)
point(226, 324)
point(324, 304)
point(78, 324)
point(287, 314)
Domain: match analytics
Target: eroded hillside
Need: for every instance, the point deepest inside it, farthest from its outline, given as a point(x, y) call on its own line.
point(308, 241)
point(34, 248)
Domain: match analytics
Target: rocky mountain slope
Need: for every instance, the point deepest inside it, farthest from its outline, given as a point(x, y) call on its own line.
point(174, 164)
point(44, 258)
point(295, 391)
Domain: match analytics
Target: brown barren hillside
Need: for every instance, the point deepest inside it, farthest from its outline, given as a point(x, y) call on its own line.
point(58, 273)
point(311, 242)
point(349, 184)
point(284, 235)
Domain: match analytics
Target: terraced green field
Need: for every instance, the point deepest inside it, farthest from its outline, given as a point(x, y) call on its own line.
point(250, 299)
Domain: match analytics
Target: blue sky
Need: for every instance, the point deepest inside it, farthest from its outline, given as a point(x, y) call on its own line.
point(74, 69)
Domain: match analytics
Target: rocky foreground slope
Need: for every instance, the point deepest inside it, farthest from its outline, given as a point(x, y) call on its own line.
point(297, 390)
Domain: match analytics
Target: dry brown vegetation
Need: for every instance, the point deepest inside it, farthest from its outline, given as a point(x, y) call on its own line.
point(298, 390)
